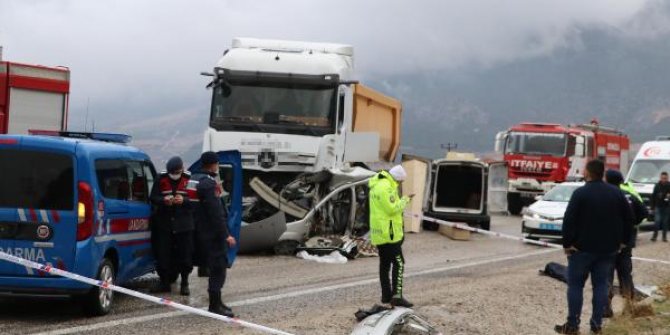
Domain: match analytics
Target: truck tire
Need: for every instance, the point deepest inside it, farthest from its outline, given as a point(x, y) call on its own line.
point(486, 225)
point(99, 301)
point(514, 203)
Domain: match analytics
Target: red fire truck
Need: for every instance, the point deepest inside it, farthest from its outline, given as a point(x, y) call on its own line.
point(33, 97)
point(540, 155)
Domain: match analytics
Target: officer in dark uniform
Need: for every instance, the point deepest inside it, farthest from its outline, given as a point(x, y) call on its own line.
point(172, 227)
point(213, 235)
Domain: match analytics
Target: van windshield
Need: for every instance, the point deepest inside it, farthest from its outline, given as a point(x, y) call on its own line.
point(648, 171)
point(36, 179)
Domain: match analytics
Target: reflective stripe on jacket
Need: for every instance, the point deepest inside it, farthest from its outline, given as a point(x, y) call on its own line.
point(386, 209)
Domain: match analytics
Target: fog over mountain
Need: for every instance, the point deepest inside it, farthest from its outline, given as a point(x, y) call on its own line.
point(464, 70)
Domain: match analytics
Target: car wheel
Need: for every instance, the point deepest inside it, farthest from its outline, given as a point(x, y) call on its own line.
point(486, 225)
point(99, 301)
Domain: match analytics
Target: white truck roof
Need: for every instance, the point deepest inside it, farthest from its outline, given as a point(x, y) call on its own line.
point(295, 46)
point(279, 56)
point(656, 150)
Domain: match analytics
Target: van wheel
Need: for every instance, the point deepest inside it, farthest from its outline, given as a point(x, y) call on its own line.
point(98, 301)
point(486, 225)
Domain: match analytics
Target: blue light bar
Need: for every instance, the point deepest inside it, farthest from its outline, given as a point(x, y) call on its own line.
point(103, 137)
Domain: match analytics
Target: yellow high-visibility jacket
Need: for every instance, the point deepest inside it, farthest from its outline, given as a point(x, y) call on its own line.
point(386, 209)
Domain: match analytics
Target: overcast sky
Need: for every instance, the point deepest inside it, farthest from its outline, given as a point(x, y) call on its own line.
point(139, 50)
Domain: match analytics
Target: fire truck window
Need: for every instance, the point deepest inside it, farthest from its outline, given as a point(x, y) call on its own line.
point(589, 146)
point(536, 144)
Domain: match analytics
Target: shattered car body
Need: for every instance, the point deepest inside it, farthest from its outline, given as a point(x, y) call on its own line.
point(396, 321)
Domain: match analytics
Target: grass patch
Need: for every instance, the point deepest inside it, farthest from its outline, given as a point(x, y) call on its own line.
point(658, 324)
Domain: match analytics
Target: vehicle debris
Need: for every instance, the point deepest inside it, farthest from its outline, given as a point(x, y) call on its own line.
point(333, 258)
point(395, 321)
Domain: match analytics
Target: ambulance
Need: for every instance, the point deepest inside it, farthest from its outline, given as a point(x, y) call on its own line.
point(652, 159)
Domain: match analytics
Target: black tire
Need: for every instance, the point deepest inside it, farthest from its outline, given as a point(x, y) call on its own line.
point(99, 301)
point(486, 225)
point(514, 203)
point(286, 247)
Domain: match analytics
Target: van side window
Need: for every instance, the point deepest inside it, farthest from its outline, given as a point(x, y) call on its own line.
point(122, 180)
point(113, 180)
point(138, 182)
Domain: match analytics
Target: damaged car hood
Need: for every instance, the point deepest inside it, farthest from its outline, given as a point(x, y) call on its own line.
point(394, 321)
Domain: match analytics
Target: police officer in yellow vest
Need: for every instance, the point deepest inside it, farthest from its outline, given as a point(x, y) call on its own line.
point(386, 231)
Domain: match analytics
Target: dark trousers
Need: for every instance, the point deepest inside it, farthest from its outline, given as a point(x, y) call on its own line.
point(580, 265)
point(173, 253)
point(661, 217)
point(390, 256)
point(215, 252)
point(623, 264)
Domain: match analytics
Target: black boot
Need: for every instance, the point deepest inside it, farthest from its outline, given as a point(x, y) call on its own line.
point(162, 287)
point(401, 302)
point(216, 306)
point(185, 291)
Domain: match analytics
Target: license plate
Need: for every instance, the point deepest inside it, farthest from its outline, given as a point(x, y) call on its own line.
point(550, 226)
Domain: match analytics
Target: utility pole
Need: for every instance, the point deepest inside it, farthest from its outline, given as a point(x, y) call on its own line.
point(449, 146)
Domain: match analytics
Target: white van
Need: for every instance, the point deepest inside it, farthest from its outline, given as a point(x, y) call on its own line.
point(652, 159)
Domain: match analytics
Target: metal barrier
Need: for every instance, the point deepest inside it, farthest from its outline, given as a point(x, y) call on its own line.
point(157, 300)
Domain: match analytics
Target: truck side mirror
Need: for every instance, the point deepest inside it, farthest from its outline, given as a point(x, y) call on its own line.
point(501, 138)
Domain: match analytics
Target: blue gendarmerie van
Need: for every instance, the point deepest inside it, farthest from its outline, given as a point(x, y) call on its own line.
point(79, 202)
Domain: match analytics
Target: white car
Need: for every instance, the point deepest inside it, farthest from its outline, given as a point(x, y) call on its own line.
point(544, 218)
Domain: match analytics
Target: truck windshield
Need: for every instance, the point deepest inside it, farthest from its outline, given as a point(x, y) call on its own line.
point(648, 171)
point(291, 109)
point(536, 144)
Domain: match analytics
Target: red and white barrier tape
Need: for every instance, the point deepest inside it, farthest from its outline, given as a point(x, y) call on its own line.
point(464, 226)
point(160, 301)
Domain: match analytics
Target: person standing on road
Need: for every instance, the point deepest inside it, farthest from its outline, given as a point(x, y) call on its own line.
point(172, 227)
point(597, 223)
point(386, 232)
point(623, 263)
point(213, 233)
point(660, 204)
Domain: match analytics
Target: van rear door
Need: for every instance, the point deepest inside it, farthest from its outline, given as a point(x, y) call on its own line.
point(497, 187)
point(37, 206)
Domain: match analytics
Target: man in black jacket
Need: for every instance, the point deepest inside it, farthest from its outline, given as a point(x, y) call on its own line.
point(597, 223)
point(623, 263)
point(210, 217)
point(660, 204)
point(172, 227)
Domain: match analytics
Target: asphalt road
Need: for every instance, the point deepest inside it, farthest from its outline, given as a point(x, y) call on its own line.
point(482, 286)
